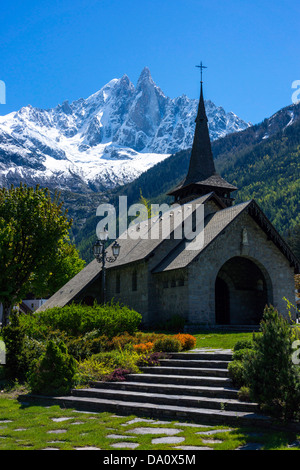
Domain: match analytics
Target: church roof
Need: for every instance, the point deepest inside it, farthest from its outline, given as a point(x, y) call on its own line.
point(74, 287)
point(213, 181)
point(215, 225)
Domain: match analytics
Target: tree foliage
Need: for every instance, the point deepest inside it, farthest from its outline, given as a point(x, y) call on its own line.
point(33, 230)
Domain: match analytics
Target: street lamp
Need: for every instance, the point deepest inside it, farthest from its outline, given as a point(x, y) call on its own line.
point(101, 256)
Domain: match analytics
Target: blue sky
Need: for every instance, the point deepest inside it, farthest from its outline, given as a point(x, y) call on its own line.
point(67, 49)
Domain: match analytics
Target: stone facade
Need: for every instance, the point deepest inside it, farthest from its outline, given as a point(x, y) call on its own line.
point(190, 291)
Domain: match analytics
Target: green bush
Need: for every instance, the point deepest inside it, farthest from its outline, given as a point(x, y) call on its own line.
point(76, 320)
point(243, 344)
point(167, 344)
point(54, 373)
point(240, 354)
point(236, 371)
point(273, 379)
point(14, 340)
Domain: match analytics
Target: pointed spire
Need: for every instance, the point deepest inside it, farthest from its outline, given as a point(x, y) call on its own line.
point(201, 161)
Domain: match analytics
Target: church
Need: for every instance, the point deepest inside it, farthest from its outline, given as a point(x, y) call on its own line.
point(241, 264)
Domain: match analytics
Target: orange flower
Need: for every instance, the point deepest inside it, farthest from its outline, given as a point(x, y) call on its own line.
point(143, 347)
point(187, 341)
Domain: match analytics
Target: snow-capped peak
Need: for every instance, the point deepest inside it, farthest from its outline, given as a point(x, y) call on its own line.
point(109, 138)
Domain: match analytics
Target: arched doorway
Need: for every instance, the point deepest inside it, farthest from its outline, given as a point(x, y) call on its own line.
point(242, 290)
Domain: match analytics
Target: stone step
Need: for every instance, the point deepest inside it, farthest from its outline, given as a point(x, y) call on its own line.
point(171, 389)
point(163, 399)
point(149, 410)
point(180, 379)
point(203, 355)
point(185, 371)
point(214, 364)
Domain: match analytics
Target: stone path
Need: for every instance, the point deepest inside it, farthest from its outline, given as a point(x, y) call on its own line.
point(159, 432)
point(166, 435)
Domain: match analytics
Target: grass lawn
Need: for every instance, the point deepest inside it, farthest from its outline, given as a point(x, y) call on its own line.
point(36, 427)
point(220, 339)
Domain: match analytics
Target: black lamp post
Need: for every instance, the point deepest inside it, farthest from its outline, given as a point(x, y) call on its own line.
point(101, 256)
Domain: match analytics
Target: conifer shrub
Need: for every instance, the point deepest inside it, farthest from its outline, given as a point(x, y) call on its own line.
point(273, 379)
point(54, 373)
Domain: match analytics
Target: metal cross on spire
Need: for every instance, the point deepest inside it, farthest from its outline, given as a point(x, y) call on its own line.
point(201, 67)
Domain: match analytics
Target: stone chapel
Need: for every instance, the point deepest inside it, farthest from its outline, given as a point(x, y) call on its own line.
point(241, 265)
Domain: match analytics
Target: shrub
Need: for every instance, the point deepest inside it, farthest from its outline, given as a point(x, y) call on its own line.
point(236, 371)
point(75, 320)
point(240, 354)
point(151, 359)
point(272, 377)
point(118, 375)
point(244, 394)
point(187, 341)
point(91, 369)
point(54, 373)
point(123, 340)
point(243, 344)
point(167, 344)
point(124, 359)
point(14, 340)
point(143, 347)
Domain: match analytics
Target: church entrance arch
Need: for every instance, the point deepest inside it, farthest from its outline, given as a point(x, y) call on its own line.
point(242, 290)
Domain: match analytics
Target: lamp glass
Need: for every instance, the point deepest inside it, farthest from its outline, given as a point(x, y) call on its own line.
point(116, 249)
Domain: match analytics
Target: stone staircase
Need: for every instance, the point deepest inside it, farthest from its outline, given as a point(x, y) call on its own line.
point(193, 387)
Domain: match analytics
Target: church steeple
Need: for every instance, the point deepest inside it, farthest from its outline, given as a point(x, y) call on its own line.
point(201, 161)
point(202, 177)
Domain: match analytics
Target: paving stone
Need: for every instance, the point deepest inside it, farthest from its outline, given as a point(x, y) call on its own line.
point(119, 436)
point(57, 431)
point(78, 422)
point(21, 429)
point(214, 431)
point(138, 420)
point(50, 448)
point(87, 448)
point(4, 421)
point(58, 420)
point(192, 448)
point(168, 431)
point(125, 445)
point(250, 446)
point(167, 440)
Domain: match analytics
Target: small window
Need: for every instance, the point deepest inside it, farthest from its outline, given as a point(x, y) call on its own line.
point(180, 282)
point(165, 284)
point(134, 280)
point(118, 283)
point(173, 283)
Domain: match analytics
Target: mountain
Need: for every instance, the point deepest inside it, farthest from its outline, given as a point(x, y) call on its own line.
point(106, 140)
point(263, 161)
